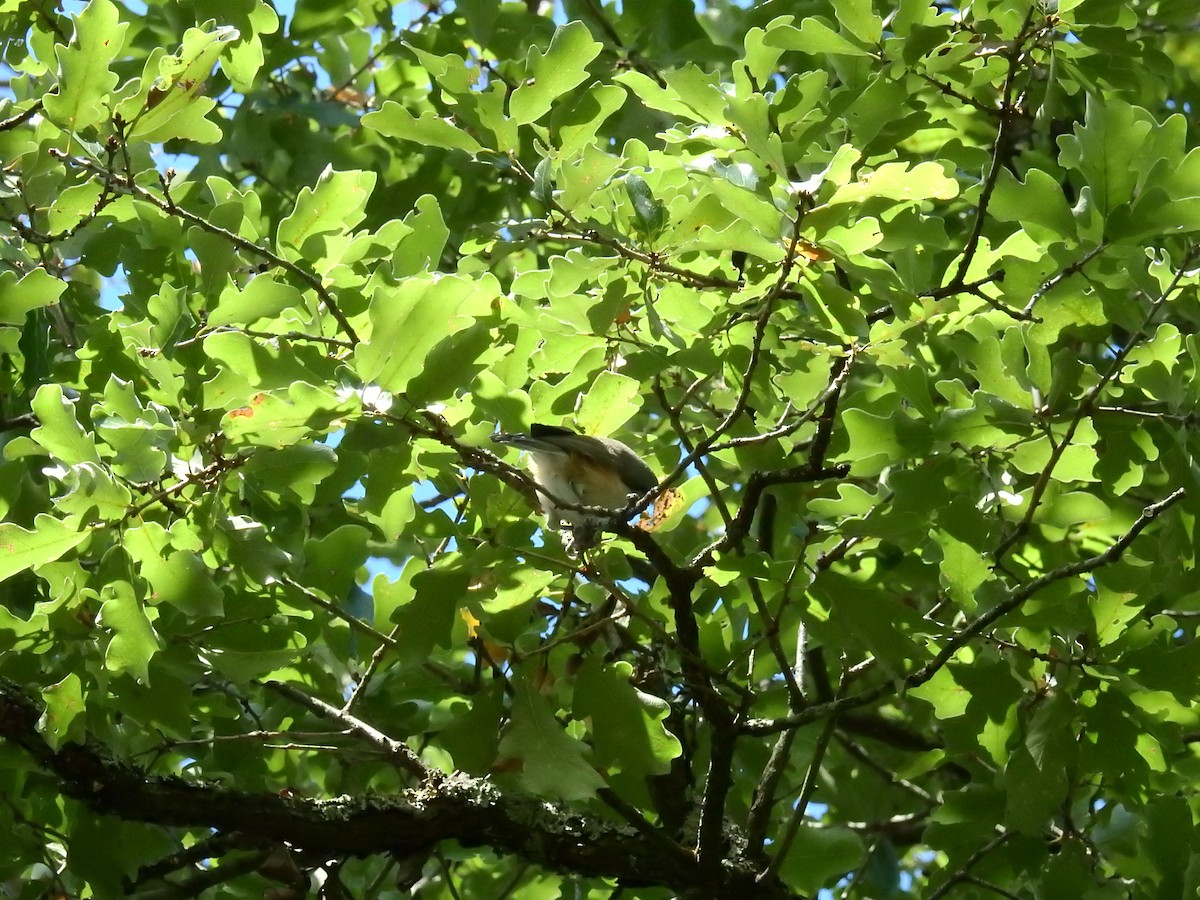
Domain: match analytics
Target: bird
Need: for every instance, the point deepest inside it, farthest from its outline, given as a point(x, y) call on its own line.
point(579, 470)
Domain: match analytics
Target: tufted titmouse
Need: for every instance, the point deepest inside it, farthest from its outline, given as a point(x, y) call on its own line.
point(581, 470)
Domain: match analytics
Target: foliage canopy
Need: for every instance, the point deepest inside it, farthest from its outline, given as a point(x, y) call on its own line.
point(900, 301)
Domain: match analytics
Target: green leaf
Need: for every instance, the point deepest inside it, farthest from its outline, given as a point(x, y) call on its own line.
point(882, 626)
point(93, 492)
point(649, 214)
point(655, 96)
point(1104, 149)
point(177, 577)
point(35, 289)
point(133, 640)
point(860, 20)
point(813, 37)
point(80, 100)
point(107, 851)
point(293, 472)
point(473, 739)
point(280, 418)
point(173, 104)
point(394, 121)
point(422, 604)
point(543, 183)
point(242, 61)
point(331, 563)
point(552, 762)
point(21, 549)
point(1038, 201)
point(819, 855)
point(577, 126)
point(608, 404)
point(516, 591)
point(948, 698)
point(420, 250)
point(963, 569)
point(1074, 508)
point(408, 322)
point(700, 91)
point(1113, 610)
point(548, 76)
point(1170, 842)
point(139, 436)
point(262, 298)
point(1159, 668)
point(184, 581)
point(67, 211)
point(874, 439)
point(1034, 793)
point(59, 431)
point(64, 703)
point(628, 729)
point(244, 652)
point(245, 366)
point(896, 181)
point(334, 206)
point(1037, 772)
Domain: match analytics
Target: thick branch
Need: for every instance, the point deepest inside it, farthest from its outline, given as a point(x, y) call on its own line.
point(469, 810)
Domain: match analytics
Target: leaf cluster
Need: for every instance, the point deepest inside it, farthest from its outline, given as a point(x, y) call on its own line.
point(899, 300)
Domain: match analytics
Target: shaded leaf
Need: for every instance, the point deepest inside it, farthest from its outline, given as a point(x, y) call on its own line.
point(552, 762)
point(628, 729)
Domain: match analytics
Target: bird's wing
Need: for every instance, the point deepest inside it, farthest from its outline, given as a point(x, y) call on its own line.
point(530, 442)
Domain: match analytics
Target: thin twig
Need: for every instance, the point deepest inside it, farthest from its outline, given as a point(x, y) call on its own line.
point(397, 750)
point(21, 118)
point(1053, 282)
point(969, 631)
point(334, 610)
point(792, 425)
point(806, 792)
point(655, 262)
point(207, 474)
point(1007, 113)
point(169, 207)
point(267, 335)
point(655, 836)
point(714, 491)
point(212, 847)
point(1176, 419)
point(962, 872)
point(710, 838)
point(951, 92)
point(859, 752)
point(1085, 407)
point(763, 801)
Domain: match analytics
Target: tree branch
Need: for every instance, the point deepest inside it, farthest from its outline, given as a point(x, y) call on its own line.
point(471, 811)
point(21, 118)
point(972, 629)
point(397, 750)
point(1054, 281)
point(1087, 404)
point(170, 208)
